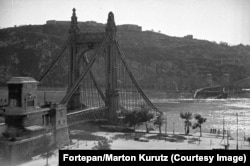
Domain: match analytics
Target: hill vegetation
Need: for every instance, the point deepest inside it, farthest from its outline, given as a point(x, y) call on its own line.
point(156, 59)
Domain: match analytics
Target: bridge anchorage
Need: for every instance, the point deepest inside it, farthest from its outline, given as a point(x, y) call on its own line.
point(100, 86)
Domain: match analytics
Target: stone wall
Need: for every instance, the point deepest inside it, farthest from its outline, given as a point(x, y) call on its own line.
point(61, 125)
point(19, 151)
point(25, 120)
point(62, 137)
point(2, 128)
point(34, 119)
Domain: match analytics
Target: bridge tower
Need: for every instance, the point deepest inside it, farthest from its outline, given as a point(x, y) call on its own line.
point(74, 102)
point(110, 56)
point(111, 101)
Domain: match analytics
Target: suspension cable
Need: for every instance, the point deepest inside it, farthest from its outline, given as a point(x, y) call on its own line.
point(58, 57)
point(120, 53)
point(76, 84)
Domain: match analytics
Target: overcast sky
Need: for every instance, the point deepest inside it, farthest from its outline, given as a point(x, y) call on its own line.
point(214, 20)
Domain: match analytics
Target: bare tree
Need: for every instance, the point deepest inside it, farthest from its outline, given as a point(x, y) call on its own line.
point(137, 117)
point(159, 121)
point(187, 116)
point(47, 148)
point(200, 121)
point(144, 116)
point(103, 144)
point(131, 118)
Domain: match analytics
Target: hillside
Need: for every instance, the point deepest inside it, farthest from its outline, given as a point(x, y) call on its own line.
point(158, 60)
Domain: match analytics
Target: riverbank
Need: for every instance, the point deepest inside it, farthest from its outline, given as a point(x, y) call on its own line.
point(146, 141)
point(177, 141)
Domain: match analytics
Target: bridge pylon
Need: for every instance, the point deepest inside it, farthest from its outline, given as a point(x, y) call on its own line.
point(110, 57)
point(74, 102)
point(111, 101)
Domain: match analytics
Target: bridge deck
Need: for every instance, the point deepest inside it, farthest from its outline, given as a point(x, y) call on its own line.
point(86, 114)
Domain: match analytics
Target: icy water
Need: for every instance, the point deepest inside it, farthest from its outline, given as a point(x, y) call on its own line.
point(215, 110)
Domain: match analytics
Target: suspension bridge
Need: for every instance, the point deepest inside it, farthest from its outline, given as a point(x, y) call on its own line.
point(103, 94)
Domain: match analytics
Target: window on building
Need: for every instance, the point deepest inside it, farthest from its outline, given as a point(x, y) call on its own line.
point(15, 93)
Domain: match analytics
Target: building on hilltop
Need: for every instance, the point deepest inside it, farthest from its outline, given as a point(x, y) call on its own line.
point(129, 27)
point(51, 22)
point(54, 22)
point(90, 23)
point(188, 37)
point(124, 27)
point(87, 23)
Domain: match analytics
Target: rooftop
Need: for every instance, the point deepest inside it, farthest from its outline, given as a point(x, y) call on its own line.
point(21, 80)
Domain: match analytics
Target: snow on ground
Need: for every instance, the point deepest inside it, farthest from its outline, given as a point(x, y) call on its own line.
point(207, 141)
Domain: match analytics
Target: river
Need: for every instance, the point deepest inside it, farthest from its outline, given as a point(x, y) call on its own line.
point(215, 110)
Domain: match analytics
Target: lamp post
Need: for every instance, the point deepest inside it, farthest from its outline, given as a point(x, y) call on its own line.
point(165, 124)
point(223, 132)
point(237, 131)
point(173, 128)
